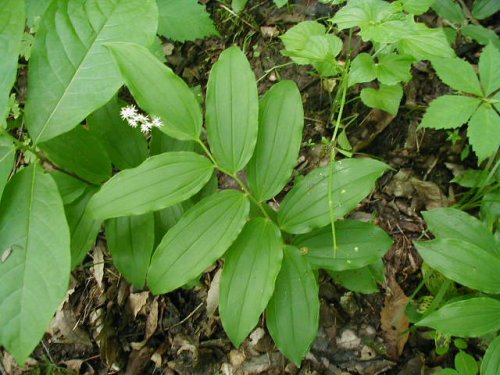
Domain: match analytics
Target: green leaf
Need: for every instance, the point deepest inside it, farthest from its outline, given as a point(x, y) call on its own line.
point(35, 9)
point(393, 68)
point(363, 69)
point(200, 237)
point(70, 62)
point(424, 43)
point(281, 119)
point(250, 270)
point(167, 218)
point(449, 112)
point(126, 146)
point(280, 3)
point(297, 38)
point(293, 311)
point(416, 7)
point(456, 224)
point(69, 187)
point(12, 18)
point(238, 5)
point(457, 74)
point(465, 364)
point(159, 91)
point(91, 162)
point(160, 143)
point(483, 130)
point(482, 9)
point(232, 110)
point(491, 359)
point(463, 262)
point(361, 280)
point(130, 241)
point(305, 207)
point(161, 181)
point(473, 317)
point(450, 10)
point(488, 70)
point(386, 97)
point(7, 156)
point(35, 266)
point(359, 244)
point(481, 34)
point(183, 20)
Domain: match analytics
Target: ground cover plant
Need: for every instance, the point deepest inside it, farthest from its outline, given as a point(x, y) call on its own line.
point(102, 141)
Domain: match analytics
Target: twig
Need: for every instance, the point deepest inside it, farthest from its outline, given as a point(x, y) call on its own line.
point(186, 318)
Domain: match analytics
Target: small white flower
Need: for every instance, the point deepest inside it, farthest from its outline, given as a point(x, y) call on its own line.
point(128, 112)
point(156, 122)
point(133, 122)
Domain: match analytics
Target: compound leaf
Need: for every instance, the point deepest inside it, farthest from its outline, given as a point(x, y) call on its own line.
point(489, 73)
point(386, 97)
point(449, 112)
point(458, 74)
point(483, 131)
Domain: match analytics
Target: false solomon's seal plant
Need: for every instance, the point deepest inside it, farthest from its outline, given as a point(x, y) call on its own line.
point(165, 219)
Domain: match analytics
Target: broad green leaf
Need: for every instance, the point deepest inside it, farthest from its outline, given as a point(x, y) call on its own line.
point(473, 317)
point(280, 3)
point(200, 237)
point(159, 91)
point(281, 119)
point(130, 241)
point(363, 69)
point(450, 10)
point(232, 110)
point(12, 18)
point(491, 359)
point(161, 181)
point(35, 266)
point(7, 156)
point(69, 187)
point(483, 131)
point(183, 20)
point(80, 152)
point(167, 218)
point(359, 244)
point(71, 73)
point(449, 112)
point(386, 97)
point(160, 143)
point(293, 311)
point(463, 262)
point(305, 207)
point(453, 223)
point(83, 228)
point(360, 280)
point(484, 8)
point(481, 34)
point(251, 267)
point(465, 364)
point(393, 68)
point(490, 208)
point(296, 40)
point(424, 43)
point(489, 73)
point(238, 5)
point(126, 146)
point(457, 74)
point(35, 10)
point(416, 7)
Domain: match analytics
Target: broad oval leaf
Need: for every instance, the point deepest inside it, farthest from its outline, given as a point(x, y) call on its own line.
point(130, 241)
point(359, 244)
point(70, 72)
point(491, 359)
point(69, 187)
point(361, 280)
point(200, 237)
point(161, 181)
point(159, 91)
point(7, 156)
point(305, 207)
point(385, 97)
point(281, 119)
point(232, 110)
point(472, 317)
point(35, 264)
point(293, 311)
point(463, 262)
point(247, 283)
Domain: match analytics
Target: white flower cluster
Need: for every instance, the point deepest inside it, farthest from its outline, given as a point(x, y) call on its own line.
point(135, 119)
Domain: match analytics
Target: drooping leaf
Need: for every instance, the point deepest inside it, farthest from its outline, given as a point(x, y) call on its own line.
point(293, 311)
point(7, 155)
point(161, 181)
point(386, 97)
point(473, 317)
point(130, 241)
point(482, 9)
point(158, 90)
point(359, 244)
point(305, 207)
point(70, 72)
point(488, 71)
point(360, 280)
point(69, 187)
point(35, 248)
point(183, 20)
point(247, 282)
point(483, 131)
point(465, 364)
point(458, 74)
point(450, 10)
point(232, 110)
point(12, 19)
point(200, 237)
point(281, 119)
point(449, 112)
point(80, 152)
point(363, 69)
point(491, 360)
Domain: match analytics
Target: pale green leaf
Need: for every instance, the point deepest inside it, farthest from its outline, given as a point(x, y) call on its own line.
point(363, 69)
point(35, 10)
point(161, 181)
point(482, 9)
point(481, 34)
point(232, 110)
point(465, 364)
point(364, 13)
point(251, 267)
point(489, 73)
point(450, 10)
point(12, 18)
point(449, 112)
point(483, 131)
point(35, 266)
point(457, 74)
point(468, 318)
point(424, 43)
point(491, 359)
point(280, 3)
point(281, 119)
point(183, 20)
point(70, 72)
point(361, 280)
point(416, 7)
point(297, 38)
point(7, 156)
point(305, 207)
point(386, 97)
point(293, 311)
point(200, 237)
point(238, 5)
point(393, 68)
point(69, 187)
